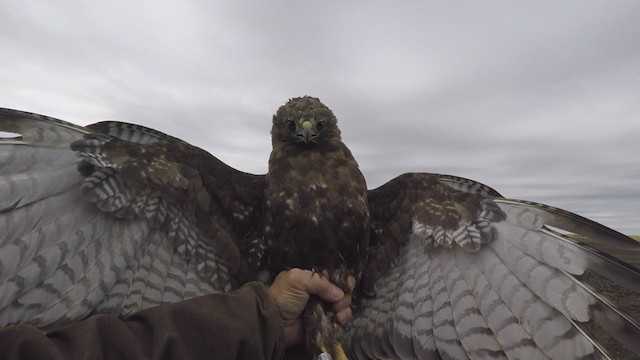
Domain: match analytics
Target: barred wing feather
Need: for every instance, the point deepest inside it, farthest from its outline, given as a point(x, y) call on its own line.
point(507, 287)
point(116, 217)
point(77, 237)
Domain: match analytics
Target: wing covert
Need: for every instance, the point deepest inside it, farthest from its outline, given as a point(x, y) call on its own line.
point(476, 275)
point(102, 219)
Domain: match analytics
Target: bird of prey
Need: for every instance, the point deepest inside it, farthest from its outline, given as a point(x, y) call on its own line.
point(115, 217)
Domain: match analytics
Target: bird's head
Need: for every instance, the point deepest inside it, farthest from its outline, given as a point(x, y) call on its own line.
point(304, 121)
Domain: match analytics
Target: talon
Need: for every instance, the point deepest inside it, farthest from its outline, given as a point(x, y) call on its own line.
point(324, 355)
point(339, 351)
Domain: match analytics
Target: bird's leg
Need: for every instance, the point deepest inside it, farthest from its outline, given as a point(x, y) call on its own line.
point(323, 333)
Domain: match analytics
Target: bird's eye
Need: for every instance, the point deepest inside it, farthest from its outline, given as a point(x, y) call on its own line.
point(291, 125)
point(320, 125)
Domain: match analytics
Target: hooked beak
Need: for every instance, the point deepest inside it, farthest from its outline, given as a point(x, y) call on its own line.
point(307, 131)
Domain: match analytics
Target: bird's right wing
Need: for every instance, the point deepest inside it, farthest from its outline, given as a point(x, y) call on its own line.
point(456, 271)
point(113, 218)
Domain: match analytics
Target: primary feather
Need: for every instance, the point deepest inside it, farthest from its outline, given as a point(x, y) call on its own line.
point(116, 217)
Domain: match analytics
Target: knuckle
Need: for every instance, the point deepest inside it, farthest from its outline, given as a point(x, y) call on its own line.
point(296, 274)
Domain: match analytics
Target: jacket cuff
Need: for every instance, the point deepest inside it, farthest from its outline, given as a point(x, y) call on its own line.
point(274, 325)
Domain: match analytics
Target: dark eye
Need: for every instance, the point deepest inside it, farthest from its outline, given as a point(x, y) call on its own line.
point(291, 125)
point(320, 125)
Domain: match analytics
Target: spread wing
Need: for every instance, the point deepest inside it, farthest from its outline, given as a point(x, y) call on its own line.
point(455, 271)
point(114, 218)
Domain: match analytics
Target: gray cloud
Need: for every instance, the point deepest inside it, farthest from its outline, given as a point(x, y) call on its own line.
point(538, 100)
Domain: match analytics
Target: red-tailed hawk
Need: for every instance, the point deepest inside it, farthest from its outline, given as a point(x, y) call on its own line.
point(115, 217)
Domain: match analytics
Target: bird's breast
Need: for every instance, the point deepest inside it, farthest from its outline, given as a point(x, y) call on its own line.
point(315, 218)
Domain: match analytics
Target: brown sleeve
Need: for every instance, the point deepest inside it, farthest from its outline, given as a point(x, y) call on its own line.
point(243, 324)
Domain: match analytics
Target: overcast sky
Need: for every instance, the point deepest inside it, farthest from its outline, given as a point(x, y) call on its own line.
point(539, 100)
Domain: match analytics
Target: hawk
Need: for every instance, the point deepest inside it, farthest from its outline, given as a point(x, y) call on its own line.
point(115, 217)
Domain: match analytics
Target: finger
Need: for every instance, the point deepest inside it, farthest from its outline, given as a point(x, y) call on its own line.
point(351, 281)
point(342, 304)
point(319, 285)
point(344, 316)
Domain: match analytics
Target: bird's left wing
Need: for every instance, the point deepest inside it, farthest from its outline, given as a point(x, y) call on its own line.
point(114, 217)
point(456, 271)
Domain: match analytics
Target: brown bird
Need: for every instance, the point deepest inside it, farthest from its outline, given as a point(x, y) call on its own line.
point(316, 214)
point(115, 217)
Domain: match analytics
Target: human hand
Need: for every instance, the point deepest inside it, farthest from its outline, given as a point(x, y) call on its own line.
point(290, 292)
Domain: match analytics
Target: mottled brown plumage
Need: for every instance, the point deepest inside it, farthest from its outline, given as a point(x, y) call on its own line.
point(316, 214)
point(409, 198)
